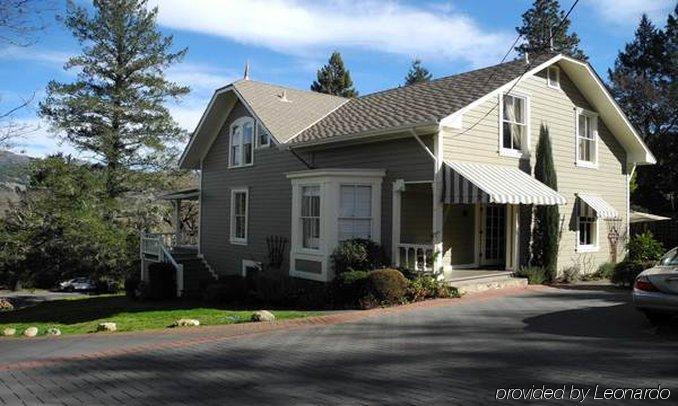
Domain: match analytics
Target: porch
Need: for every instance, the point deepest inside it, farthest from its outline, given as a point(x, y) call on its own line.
point(470, 225)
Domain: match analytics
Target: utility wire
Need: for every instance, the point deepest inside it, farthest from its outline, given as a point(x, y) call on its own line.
point(527, 68)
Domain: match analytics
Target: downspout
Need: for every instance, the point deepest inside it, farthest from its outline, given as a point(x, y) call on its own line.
point(629, 177)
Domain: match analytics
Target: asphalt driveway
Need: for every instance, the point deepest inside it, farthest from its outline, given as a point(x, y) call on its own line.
point(450, 354)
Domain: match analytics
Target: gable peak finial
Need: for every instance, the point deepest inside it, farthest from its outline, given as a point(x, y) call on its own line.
point(246, 75)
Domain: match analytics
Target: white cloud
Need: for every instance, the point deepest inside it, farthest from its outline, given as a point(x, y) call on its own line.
point(628, 12)
point(37, 140)
point(34, 54)
point(301, 27)
point(201, 78)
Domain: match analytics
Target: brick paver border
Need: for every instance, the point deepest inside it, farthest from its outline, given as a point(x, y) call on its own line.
point(208, 334)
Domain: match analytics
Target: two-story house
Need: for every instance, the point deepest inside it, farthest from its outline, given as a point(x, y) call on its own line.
point(444, 166)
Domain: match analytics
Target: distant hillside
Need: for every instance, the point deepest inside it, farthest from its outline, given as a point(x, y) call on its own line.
point(13, 173)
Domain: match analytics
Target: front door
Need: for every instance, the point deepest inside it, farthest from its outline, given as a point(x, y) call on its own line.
point(492, 234)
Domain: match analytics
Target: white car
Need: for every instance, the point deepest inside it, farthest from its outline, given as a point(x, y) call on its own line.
point(655, 291)
point(80, 284)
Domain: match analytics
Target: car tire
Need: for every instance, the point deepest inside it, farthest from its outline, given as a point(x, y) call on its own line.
point(656, 318)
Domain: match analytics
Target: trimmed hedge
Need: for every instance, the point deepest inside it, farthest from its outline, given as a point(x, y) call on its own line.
point(384, 287)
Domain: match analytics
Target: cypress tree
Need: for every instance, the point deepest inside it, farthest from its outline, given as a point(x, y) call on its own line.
point(115, 108)
point(417, 73)
point(334, 78)
point(545, 233)
point(539, 23)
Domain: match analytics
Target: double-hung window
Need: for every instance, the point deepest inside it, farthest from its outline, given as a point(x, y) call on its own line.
point(355, 212)
point(553, 77)
point(587, 138)
point(513, 125)
point(239, 214)
point(241, 143)
point(310, 217)
point(587, 227)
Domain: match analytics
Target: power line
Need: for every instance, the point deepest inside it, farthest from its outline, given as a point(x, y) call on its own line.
point(527, 68)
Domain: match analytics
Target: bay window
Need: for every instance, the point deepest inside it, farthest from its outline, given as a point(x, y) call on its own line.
point(355, 212)
point(310, 217)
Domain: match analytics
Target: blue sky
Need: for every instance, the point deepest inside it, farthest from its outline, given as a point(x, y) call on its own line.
point(287, 40)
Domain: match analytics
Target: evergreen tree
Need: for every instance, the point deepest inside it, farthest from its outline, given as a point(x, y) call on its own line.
point(417, 73)
point(543, 21)
point(546, 231)
point(334, 78)
point(643, 82)
point(115, 108)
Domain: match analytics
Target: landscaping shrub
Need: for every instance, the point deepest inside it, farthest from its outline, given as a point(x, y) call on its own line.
point(424, 286)
point(571, 274)
point(162, 281)
point(625, 272)
point(228, 289)
point(384, 287)
point(349, 287)
point(643, 247)
point(536, 275)
point(605, 271)
point(357, 254)
point(131, 286)
point(6, 305)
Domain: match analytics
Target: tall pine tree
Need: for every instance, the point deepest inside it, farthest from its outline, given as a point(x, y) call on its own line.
point(643, 82)
point(417, 74)
point(334, 78)
point(546, 231)
point(542, 21)
point(115, 109)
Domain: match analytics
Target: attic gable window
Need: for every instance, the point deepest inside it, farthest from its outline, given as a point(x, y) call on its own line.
point(241, 143)
point(553, 77)
point(513, 128)
point(263, 136)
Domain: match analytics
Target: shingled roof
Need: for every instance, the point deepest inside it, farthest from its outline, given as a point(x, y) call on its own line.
point(285, 111)
point(418, 104)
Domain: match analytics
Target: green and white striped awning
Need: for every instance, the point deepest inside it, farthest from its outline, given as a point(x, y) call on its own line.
point(602, 208)
point(481, 183)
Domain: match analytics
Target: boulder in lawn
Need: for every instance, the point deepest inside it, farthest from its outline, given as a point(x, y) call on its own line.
point(53, 331)
point(5, 305)
point(262, 315)
point(186, 323)
point(107, 327)
point(8, 332)
point(31, 332)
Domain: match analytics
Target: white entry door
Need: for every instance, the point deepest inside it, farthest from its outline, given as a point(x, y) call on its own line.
point(492, 234)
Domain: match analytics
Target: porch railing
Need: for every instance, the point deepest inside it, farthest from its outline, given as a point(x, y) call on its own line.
point(156, 247)
point(418, 257)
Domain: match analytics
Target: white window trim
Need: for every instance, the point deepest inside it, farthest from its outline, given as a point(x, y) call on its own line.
point(247, 263)
point(231, 216)
point(595, 247)
point(301, 247)
point(371, 218)
point(241, 121)
point(555, 69)
point(329, 181)
point(259, 124)
point(596, 139)
point(525, 150)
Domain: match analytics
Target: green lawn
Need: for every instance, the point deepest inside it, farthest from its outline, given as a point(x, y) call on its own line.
point(82, 315)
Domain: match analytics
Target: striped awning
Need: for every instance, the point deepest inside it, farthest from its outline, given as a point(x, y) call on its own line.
point(479, 183)
point(603, 209)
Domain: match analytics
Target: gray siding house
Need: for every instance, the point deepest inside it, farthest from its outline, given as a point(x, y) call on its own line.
point(440, 173)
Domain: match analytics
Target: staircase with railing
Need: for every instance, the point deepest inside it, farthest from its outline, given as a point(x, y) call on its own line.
point(191, 270)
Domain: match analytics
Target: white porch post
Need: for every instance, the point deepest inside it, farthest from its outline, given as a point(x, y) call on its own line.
point(177, 222)
point(396, 202)
point(438, 206)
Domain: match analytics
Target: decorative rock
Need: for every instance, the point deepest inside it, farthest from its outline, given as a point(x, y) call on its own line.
point(53, 331)
point(186, 323)
point(262, 315)
point(5, 305)
point(107, 327)
point(31, 332)
point(8, 332)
